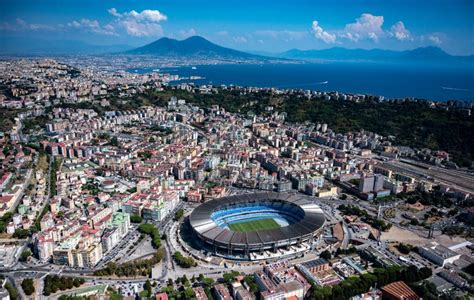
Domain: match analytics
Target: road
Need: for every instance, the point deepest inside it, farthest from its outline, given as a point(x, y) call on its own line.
point(168, 266)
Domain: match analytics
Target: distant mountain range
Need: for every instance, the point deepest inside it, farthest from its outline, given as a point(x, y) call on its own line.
point(192, 47)
point(199, 48)
point(422, 55)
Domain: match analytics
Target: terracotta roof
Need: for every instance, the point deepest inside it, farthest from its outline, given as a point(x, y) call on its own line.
point(399, 290)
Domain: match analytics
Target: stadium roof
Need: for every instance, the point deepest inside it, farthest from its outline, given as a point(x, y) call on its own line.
point(203, 224)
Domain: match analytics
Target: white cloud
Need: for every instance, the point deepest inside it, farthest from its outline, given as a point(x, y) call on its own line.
point(222, 33)
point(187, 33)
point(113, 12)
point(148, 15)
point(93, 26)
point(240, 39)
point(22, 25)
point(144, 23)
point(435, 39)
point(320, 34)
point(367, 26)
point(285, 35)
point(399, 31)
point(142, 29)
point(109, 27)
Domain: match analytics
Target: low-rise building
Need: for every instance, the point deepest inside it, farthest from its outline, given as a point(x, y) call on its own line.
point(438, 254)
point(398, 290)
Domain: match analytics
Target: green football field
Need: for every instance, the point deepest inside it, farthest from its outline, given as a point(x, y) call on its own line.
point(254, 225)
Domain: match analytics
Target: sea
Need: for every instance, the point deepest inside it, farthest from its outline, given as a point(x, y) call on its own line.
point(389, 80)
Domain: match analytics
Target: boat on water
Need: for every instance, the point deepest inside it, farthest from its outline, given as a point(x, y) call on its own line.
point(156, 70)
point(193, 68)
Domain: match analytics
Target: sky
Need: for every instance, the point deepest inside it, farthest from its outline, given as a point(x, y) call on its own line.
point(263, 26)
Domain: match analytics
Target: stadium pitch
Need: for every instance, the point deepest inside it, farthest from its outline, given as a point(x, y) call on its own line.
point(262, 224)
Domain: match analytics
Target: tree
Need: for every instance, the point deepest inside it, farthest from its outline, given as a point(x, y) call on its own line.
point(189, 293)
point(133, 268)
point(21, 233)
point(179, 214)
point(153, 232)
point(136, 219)
point(25, 254)
point(250, 280)
point(147, 286)
point(115, 296)
point(184, 279)
point(114, 141)
point(144, 294)
point(229, 277)
point(404, 248)
point(182, 261)
point(53, 283)
point(12, 291)
point(28, 286)
point(325, 254)
point(77, 282)
point(207, 281)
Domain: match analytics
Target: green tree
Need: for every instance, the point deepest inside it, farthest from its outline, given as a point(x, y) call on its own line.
point(28, 286)
point(182, 261)
point(12, 291)
point(208, 282)
point(21, 233)
point(114, 141)
point(179, 214)
point(136, 219)
point(147, 286)
point(25, 254)
point(325, 254)
point(189, 293)
point(229, 277)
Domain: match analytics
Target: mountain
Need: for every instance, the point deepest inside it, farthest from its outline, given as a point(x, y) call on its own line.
point(426, 53)
point(421, 55)
point(194, 46)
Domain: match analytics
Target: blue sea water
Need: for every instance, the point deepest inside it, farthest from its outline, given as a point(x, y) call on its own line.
point(389, 80)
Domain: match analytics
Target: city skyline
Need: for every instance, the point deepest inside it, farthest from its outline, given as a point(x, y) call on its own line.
point(192, 150)
point(246, 26)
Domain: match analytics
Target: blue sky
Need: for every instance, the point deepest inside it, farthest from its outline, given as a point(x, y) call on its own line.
point(271, 26)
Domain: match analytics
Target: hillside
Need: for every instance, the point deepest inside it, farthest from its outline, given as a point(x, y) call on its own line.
point(191, 47)
point(421, 55)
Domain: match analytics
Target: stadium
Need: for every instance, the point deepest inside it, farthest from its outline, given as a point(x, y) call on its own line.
point(258, 226)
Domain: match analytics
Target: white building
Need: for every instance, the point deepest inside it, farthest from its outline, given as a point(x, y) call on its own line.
point(438, 254)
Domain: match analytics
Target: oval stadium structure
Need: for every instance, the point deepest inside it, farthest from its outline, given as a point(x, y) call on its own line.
point(248, 225)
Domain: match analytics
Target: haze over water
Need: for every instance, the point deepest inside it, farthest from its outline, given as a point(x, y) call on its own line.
point(389, 80)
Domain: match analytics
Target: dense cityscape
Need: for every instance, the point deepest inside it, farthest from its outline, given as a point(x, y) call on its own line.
point(203, 150)
point(105, 202)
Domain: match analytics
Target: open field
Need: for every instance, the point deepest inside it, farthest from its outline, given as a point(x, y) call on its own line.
point(397, 234)
point(255, 225)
